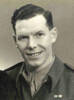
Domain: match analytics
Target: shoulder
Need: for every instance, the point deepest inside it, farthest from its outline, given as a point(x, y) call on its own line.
point(66, 71)
point(6, 85)
point(13, 70)
point(69, 69)
point(69, 77)
point(69, 72)
point(16, 66)
point(5, 80)
point(69, 80)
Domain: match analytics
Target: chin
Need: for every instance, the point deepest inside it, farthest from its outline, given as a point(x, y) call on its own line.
point(34, 64)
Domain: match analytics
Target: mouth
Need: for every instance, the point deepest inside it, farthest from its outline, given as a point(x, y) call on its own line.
point(34, 54)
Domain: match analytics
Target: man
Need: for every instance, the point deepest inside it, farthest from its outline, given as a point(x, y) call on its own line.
point(42, 76)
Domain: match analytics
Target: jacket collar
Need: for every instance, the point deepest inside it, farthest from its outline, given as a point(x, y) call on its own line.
point(56, 71)
point(53, 75)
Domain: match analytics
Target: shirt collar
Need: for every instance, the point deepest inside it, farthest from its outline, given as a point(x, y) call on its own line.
point(54, 73)
point(23, 66)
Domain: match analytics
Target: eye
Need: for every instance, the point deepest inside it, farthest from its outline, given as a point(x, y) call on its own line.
point(39, 34)
point(22, 38)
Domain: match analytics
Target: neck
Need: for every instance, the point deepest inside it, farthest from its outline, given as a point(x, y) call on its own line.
point(47, 63)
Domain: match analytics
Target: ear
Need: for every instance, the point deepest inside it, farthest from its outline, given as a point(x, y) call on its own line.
point(54, 34)
point(14, 37)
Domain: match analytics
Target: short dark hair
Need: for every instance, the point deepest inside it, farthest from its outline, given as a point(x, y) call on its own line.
point(30, 10)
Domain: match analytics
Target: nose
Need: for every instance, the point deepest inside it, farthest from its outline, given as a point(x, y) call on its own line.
point(31, 43)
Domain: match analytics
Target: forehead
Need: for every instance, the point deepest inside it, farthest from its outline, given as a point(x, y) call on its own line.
point(35, 23)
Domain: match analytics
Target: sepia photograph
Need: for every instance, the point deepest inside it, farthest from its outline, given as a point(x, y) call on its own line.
point(37, 50)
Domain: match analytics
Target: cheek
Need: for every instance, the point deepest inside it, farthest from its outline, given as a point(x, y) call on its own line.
point(21, 45)
point(46, 41)
point(46, 44)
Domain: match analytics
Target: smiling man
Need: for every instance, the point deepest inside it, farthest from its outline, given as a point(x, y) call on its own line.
point(42, 76)
point(34, 39)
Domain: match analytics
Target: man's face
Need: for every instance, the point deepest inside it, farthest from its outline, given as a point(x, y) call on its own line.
point(34, 40)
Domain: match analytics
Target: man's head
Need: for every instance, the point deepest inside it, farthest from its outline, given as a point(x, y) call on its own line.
point(34, 34)
point(29, 11)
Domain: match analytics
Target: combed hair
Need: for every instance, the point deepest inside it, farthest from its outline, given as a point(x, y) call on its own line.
point(30, 10)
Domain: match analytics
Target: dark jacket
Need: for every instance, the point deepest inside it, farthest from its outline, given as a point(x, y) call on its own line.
point(59, 84)
point(6, 86)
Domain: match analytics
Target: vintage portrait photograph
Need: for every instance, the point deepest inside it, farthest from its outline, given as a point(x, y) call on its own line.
point(37, 50)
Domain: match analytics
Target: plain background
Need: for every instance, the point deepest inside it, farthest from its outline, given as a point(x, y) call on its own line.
point(63, 16)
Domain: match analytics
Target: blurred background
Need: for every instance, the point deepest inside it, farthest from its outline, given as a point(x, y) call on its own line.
point(63, 16)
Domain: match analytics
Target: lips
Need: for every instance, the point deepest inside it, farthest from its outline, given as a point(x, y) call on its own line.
point(34, 54)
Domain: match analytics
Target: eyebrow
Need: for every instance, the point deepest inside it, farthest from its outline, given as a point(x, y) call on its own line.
point(22, 35)
point(39, 32)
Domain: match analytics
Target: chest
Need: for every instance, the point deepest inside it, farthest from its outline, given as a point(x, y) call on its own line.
point(62, 91)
